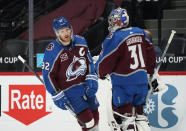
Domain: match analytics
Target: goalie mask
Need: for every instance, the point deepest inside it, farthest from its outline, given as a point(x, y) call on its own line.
point(118, 18)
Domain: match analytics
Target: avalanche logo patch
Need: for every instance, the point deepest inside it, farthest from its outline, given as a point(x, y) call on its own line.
point(159, 108)
point(76, 68)
point(50, 46)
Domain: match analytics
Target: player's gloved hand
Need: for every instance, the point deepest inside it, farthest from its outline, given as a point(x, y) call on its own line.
point(91, 83)
point(157, 84)
point(60, 100)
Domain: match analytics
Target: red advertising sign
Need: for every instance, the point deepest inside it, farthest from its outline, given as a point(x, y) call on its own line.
point(27, 103)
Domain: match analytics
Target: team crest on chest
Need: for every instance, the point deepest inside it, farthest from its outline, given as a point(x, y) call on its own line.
point(76, 68)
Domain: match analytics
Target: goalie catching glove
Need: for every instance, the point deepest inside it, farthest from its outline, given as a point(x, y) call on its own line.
point(60, 100)
point(156, 83)
point(91, 83)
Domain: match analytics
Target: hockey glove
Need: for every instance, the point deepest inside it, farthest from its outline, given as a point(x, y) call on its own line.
point(91, 83)
point(157, 84)
point(60, 100)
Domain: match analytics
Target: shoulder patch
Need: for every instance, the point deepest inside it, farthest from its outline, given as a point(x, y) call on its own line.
point(50, 47)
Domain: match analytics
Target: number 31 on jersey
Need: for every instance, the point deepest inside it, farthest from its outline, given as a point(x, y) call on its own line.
point(136, 55)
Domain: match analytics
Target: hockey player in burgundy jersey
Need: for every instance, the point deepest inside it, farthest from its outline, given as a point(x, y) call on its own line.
point(127, 56)
point(69, 74)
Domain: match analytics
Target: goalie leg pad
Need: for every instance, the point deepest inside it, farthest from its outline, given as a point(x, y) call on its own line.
point(128, 123)
point(142, 123)
point(124, 109)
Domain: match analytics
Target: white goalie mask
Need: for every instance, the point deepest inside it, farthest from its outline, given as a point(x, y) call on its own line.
point(118, 18)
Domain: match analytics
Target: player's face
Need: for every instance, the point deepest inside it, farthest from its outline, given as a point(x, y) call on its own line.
point(65, 35)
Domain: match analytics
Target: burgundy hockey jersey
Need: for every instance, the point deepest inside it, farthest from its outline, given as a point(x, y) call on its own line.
point(127, 56)
point(65, 68)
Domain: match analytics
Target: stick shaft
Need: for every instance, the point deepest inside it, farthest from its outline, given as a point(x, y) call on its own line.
point(159, 65)
point(30, 68)
point(166, 48)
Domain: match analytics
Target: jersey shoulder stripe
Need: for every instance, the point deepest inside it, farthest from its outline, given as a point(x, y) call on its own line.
point(79, 40)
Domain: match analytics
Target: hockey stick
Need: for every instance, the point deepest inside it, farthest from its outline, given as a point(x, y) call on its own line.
point(158, 67)
point(110, 113)
point(30, 68)
point(162, 57)
point(66, 106)
point(166, 48)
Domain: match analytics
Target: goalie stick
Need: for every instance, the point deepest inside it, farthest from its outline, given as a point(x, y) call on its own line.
point(166, 48)
point(158, 67)
point(41, 80)
point(162, 57)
